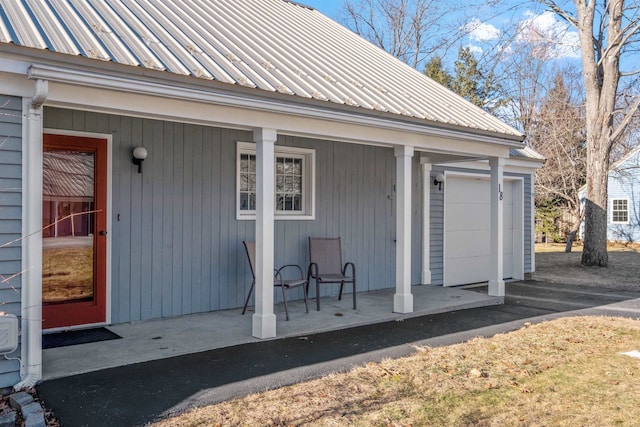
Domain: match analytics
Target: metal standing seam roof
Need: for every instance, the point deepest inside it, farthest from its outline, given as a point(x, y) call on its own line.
point(271, 45)
point(526, 152)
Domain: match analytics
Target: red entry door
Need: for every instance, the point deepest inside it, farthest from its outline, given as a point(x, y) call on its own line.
point(74, 236)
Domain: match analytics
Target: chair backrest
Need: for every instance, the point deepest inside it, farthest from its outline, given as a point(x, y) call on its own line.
point(327, 254)
point(250, 248)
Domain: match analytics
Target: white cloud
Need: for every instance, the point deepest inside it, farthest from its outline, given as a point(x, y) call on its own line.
point(555, 37)
point(481, 32)
point(474, 49)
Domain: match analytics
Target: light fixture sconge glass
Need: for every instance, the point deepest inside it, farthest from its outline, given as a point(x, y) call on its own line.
point(139, 154)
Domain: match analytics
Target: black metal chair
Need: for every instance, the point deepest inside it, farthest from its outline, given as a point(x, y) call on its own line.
point(327, 267)
point(278, 279)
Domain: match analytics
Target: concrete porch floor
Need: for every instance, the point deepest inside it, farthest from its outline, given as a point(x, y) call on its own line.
point(157, 339)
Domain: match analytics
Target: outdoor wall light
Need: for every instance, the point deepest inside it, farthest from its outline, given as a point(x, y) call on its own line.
point(139, 154)
point(438, 180)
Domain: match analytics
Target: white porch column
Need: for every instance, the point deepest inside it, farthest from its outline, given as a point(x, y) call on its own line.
point(496, 278)
point(426, 220)
point(403, 300)
point(32, 152)
point(264, 320)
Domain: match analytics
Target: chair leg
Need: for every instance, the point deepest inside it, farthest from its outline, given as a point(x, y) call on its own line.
point(340, 293)
point(246, 303)
point(305, 288)
point(317, 296)
point(354, 294)
point(284, 300)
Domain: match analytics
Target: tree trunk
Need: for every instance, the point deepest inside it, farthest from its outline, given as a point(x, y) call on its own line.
point(594, 252)
point(570, 238)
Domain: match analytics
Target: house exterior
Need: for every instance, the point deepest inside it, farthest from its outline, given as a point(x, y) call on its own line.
point(623, 206)
point(263, 120)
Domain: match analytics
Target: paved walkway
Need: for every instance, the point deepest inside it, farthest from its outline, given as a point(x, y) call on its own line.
point(136, 394)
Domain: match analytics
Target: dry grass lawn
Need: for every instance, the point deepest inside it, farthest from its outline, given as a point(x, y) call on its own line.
point(556, 266)
point(566, 372)
point(67, 274)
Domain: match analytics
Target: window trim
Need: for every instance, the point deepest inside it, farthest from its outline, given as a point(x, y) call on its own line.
point(619, 210)
point(308, 181)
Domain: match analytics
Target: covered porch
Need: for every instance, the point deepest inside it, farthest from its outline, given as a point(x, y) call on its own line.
point(162, 338)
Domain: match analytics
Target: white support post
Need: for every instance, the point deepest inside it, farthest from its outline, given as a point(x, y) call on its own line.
point(426, 220)
point(496, 278)
point(31, 336)
point(403, 299)
point(264, 320)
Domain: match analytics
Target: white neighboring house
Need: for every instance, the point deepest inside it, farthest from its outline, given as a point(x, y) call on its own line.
point(262, 120)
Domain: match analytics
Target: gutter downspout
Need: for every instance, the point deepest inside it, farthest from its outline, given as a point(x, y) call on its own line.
point(31, 339)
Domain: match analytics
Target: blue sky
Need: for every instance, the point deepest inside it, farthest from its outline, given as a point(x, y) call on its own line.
point(327, 7)
point(488, 30)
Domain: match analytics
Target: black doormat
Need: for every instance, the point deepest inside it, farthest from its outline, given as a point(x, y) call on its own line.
point(80, 336)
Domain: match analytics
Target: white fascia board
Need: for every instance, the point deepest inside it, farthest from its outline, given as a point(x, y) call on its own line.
point(511, 165)
point(15, 85)
point(14, 66)
point(139, 87)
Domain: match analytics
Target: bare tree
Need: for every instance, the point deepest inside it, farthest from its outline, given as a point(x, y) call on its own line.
point(410, 30)
point(558, 133)
point(608, 33)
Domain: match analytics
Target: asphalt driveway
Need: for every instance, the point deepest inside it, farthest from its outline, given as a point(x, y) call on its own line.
point(137, 394)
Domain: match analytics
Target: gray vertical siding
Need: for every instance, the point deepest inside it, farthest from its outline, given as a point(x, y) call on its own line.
point(10, 221)
point(437, 231)
point(177, 246)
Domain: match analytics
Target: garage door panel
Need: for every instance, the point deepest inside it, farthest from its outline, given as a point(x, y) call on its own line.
point(466, 190)
point(476, 244)
point(467, 230)
point(467, 270)
point(458, 217)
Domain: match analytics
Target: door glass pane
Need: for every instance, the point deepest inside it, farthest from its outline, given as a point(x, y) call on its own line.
point(68, 226)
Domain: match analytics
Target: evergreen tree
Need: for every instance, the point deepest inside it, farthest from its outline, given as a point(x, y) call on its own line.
point(474, 84)
point(436, 71)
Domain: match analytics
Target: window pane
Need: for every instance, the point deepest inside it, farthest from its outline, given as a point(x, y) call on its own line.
point(297, 167)
point(297, 185)
point(289, 189)
point(619, 210)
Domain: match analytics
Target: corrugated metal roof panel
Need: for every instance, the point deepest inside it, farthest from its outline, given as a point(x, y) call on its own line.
point(272, 45)
point(67, 174)
point(526, 152)
point(61, 39)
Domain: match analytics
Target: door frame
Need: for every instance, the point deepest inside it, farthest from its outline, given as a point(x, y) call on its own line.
point(109, 220)
point(518, 220)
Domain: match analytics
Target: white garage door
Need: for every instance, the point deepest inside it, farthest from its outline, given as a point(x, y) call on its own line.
point(467, 225)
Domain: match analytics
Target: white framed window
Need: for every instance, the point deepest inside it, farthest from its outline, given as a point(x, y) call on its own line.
point(294, 177)
point(620, 211)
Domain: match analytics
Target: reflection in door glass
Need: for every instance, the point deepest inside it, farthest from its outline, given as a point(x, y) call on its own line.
point(68, 226)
